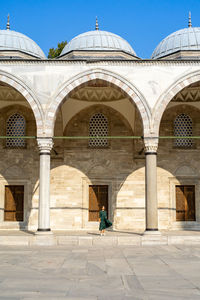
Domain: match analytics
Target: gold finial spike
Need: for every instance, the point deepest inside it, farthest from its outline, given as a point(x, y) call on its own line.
point(189, 21)
point(8, 23)
point(97, 24)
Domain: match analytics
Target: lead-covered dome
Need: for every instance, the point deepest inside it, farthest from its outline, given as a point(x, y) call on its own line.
point(17, 42)
point(187, 39)
point(98, 40)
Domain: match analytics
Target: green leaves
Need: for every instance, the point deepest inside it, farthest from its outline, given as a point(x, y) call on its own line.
point(57, 51)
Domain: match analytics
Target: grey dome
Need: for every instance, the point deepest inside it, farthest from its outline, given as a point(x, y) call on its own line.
point(15, 41)
point(98, 40)
point(184, 39)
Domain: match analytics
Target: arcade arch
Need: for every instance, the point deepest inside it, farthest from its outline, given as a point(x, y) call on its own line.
point(18, 162)
point(115, 80)
point(82, 167)
point(13, 82)
point(179, 85)
point(178, 194)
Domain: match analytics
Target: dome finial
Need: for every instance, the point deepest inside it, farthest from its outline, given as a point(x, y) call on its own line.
point(97, 24)
point(8, 23)
point(189, 21)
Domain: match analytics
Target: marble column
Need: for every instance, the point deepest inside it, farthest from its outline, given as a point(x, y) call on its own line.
point(45, 145)
point(151, 186)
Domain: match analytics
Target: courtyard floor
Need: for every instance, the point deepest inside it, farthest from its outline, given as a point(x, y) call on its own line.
point(100, 273)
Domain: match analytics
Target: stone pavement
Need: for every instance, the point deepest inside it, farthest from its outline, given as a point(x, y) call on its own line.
point(100, 273)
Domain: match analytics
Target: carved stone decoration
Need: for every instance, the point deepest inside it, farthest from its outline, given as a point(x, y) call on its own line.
point(97, 170)
point(188, 94)
point(45, 144)
point(15, 171)
point(150, 148)
point(10, 94)
point(96, 94)
point(151, 145)
point(185, 171)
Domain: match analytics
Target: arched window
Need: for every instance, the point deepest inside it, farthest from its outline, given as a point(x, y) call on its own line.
point(15, 126)
point(183, 127)
point(98, 126)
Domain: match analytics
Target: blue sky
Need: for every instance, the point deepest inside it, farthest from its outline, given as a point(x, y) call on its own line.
point(143, 23)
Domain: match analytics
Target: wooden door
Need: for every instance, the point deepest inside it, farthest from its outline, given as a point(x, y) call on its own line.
point(14, 203)
point(185, 203)
point(98, 197)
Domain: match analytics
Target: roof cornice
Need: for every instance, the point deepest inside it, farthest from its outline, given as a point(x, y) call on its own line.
point(101, 61)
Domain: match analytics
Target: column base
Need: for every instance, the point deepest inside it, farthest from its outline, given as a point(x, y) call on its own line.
point(43, 231)
point(152, 232)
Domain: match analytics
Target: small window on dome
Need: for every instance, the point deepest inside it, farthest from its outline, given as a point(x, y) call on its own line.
point(98, 127)
point(183, 127)
point(16, 126)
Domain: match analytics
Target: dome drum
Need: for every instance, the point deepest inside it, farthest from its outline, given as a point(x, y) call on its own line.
point(97, 54)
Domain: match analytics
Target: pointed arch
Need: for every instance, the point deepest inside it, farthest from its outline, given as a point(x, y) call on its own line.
point(168, 95)
point(29, 95)
point(117, 80)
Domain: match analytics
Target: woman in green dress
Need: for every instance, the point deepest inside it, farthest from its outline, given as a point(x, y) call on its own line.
point(103, 221)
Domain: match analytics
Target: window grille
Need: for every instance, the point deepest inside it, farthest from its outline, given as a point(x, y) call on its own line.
point(16, 126)
point(183, 127)
point(98, 127)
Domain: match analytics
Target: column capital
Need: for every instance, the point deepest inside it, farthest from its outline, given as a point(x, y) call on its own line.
point(150, 145)
point(45, 144)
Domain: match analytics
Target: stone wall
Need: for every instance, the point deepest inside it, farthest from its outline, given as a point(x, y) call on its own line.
point(177, 166)
point(76, 165)
point(20, 167)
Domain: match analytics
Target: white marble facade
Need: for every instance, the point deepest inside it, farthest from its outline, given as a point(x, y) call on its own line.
point(139, 98)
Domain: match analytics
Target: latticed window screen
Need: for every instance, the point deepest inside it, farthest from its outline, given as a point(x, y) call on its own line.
point(98, 127)
point(16, 126)
point(183, 127)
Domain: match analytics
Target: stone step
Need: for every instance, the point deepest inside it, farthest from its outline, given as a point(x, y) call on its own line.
point(97, 240)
